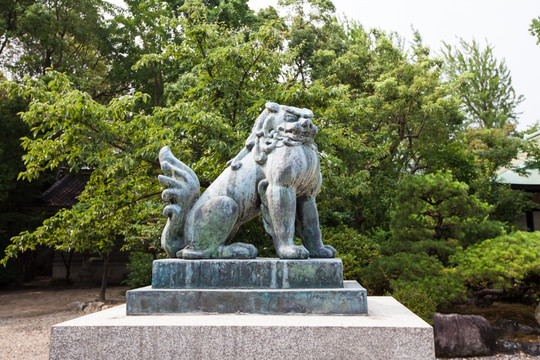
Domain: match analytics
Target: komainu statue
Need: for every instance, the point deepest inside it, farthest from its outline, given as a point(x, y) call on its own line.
point(276, 173)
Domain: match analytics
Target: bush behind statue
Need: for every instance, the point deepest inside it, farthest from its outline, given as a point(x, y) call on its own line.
point(510, 262)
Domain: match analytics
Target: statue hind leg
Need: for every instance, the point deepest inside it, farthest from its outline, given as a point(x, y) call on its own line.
point(208, 229)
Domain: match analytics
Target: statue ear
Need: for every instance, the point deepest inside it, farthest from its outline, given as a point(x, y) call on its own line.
point(272, 106)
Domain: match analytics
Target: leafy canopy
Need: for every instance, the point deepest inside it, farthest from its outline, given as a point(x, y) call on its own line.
point(393, 126)
point(483, 83)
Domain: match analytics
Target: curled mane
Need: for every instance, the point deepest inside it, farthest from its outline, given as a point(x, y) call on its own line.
point(271, 131)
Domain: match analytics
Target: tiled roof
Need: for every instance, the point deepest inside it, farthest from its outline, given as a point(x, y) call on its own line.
point(63, 193)
point(510, 176)
point(532, 177)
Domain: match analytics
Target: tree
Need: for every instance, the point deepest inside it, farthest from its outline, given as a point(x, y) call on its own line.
point(119, 141)
point(394, 116)
point(510, 262)
point(483, 83)
point(10, 13)
point(61, 34)
point(535, 28)
point(434, 213)
point(432, 216)
point(16, 199)
point(387, 118)
point(86, 134)
point(312, 27)
point(142, 28)
point(488, 99)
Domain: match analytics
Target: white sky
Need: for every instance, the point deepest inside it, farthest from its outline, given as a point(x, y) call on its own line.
point(503, 23)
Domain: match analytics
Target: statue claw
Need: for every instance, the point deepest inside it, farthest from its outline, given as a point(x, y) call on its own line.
point(327, 251)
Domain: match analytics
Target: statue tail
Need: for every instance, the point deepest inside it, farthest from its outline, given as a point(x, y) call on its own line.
point(182, 189)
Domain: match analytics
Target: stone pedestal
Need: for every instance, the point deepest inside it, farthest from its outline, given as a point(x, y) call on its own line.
point(247, 309)
point(349, 300)
point(390, 331)
point(260, 273)
point(257, 286)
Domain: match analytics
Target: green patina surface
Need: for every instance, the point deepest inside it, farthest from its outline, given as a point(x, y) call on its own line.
point(260, 273)
point(348, 300)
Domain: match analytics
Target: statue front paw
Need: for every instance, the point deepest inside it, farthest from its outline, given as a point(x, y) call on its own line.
point(238, 251)
point(233, 251)
point(326, 251)
point(188, 253)
point(292, 252)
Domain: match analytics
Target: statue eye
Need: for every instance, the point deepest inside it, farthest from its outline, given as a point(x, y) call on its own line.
point(291, 118)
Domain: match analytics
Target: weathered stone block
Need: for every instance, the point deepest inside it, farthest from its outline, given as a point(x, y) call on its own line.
point(389, 332)
point(260, 273)
point(463, 335)
point(350, 300)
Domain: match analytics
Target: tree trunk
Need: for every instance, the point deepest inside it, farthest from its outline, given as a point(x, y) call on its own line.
point(104, 277)
point(67, 264)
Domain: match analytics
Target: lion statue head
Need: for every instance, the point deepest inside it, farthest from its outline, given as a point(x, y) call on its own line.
point(278, 125)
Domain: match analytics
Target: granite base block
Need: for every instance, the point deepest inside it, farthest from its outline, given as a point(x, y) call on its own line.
point(260, 273)
point(348, 300)
point(390, 331)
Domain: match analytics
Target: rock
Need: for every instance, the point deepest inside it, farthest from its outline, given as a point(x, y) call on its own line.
point(510, 347)
point(462, 335)
point(532, 349)
point(503, 327)
point(93, 307)
point(526, 330)
point(77, 306)
point(507, 347)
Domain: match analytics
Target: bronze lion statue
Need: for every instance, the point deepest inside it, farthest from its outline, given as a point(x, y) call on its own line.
point(276, 173)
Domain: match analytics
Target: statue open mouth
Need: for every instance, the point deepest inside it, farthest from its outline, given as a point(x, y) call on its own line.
point(296, 132)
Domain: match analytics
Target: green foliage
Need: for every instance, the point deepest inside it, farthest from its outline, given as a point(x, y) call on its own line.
point(432, 215)
point(535, 28)
point(483, 83)
point(140, 269)
point(382, 113)
point(417, 301)
point(355, 250)
point(65, 35)
point(11, 130)
point(506, 262)
point(426, 273)
point(493, 148)
point(437, 207)
point(392, 128)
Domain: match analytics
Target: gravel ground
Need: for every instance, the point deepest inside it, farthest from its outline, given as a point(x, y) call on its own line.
point(26, 317)
point(496, 357)
point(28, 338)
